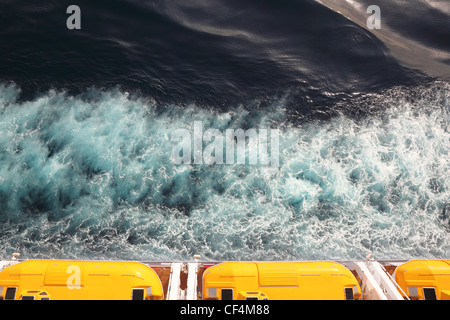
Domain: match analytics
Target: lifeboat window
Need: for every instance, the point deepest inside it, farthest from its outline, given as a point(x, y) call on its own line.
point(212, 293)
point(251, 298)
point(349, 294)
point(412, 291)
point(138, 294)
point(10, 293)
point(227, 294)
point(429, 293)
point(27, 297)
point(355, 289)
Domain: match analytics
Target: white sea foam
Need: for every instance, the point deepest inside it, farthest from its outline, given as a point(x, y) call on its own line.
point(91, 176)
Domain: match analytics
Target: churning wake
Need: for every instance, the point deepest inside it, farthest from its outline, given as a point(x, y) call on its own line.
point(90, 176)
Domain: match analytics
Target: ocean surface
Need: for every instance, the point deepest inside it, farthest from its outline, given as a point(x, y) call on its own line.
point(86, 119)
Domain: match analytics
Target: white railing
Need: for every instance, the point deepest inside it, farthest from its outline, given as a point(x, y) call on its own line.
point(174, 289)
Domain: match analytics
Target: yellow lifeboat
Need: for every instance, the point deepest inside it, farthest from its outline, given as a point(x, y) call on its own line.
point(79, 280)
point(321, 280)
point(424, 279)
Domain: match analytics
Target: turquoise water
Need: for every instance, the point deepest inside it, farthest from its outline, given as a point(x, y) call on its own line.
point(90, 176)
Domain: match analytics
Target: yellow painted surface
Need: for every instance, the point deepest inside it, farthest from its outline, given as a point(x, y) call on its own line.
point(80, 280)
point(415, 275)
point(317, 280)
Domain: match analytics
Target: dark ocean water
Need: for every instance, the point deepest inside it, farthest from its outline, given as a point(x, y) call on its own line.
point(86, 118)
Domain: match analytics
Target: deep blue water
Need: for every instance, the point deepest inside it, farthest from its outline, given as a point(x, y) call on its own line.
point(86, 118)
